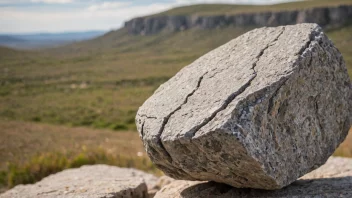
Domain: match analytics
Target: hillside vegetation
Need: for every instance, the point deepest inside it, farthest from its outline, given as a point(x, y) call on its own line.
point(221, 9)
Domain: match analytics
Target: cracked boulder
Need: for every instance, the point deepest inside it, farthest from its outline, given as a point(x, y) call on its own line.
point(260, 111)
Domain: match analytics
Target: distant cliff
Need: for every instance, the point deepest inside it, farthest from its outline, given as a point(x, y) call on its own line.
point(329, 17)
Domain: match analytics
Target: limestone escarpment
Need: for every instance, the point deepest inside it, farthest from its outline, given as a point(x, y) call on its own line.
point(330, 17)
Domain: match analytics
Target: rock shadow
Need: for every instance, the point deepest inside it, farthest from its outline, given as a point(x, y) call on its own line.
point(323, 187)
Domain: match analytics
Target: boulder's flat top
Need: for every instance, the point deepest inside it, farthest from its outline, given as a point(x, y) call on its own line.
point(89, 182)
point(334, 179)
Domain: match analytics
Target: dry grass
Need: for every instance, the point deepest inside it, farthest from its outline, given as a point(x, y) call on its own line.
point(345, 149)
point(21, 141)
point(30, 151)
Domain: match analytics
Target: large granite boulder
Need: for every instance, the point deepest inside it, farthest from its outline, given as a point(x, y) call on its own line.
point(95, 181)
point(259, 112)
point(334, 179)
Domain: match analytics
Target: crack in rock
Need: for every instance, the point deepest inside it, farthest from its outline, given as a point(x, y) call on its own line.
point(166, 119)
point(314, 36)
point(47, 192)
point(142, 130)
point(271, 99)
point(146, 116)
point(233, 96)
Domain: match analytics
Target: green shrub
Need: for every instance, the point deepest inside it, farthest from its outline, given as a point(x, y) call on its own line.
point(119, 127)
point(36, 119)
point(3, 179)
point(100, 124)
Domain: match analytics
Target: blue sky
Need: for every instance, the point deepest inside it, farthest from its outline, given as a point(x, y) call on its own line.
point(24, 16)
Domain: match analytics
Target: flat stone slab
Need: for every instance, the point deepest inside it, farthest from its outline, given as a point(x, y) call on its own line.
point(259, 112)
point(96, 181)
point(334, 179)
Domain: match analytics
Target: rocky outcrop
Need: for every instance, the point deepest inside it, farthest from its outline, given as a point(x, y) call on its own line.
point(96, 181)
point(334, 179)
point(329, 17)
point(258, 112)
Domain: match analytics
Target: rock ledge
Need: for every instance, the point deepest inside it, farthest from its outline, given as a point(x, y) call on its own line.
point(96, 181)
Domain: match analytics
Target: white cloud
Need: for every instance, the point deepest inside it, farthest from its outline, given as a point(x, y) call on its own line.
point(35, 1)
point(108, 6)
point(52, 1)
point(12, 1)
point(15, 20)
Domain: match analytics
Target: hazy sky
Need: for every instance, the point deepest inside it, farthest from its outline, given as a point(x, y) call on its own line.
point(18, 16)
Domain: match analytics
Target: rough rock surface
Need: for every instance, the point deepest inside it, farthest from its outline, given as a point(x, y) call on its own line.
point(89, 182)
point(328, 17)
point(259, 111)
point(161, 182)
point(334, 179)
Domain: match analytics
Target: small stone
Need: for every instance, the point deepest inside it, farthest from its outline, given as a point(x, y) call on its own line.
point(96, 181)
point(334, 179)
point(258, 112)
